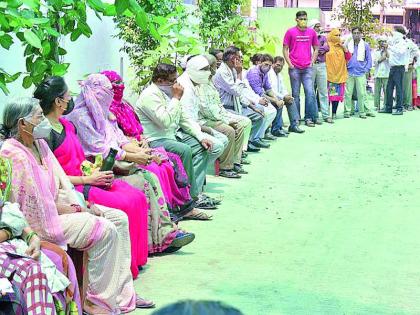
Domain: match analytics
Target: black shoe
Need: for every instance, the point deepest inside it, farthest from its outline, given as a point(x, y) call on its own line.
point(229, 174)
point(269, 137)
point(398, 112)
point(296, 129)
point(252, 148)
point(260, 144)
point(238, 169)
point(385, 111)
point(410, 108)
point(280, 133)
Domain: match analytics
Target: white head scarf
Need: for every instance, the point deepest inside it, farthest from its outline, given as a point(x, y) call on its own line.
point(313, 22)
point(195, 72)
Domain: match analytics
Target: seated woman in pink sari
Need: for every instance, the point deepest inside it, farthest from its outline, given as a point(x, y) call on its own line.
point(55, 212)
point(99, 187)
point(171, 172)
point(39, 270)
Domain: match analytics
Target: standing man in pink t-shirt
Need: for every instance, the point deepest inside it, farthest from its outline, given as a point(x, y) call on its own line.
point(297, 50)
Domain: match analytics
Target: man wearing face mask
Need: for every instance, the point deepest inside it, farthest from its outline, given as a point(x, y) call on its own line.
point(198, 72)
point(319, 74)
point(197, 77)
point(235, 97)
point(165, 124)
point(297, 51)
point(259, 81)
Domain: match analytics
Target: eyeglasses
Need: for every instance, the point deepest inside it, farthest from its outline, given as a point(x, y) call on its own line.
point(302, 19)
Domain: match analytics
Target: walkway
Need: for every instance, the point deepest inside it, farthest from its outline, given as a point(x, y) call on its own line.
point(325, 223)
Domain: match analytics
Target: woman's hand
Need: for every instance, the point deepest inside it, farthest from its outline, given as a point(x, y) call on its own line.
point(99, 178)
point(141, 158)
point(143, 144)
point(157, 159)
point(34, 248)
point(94, 209)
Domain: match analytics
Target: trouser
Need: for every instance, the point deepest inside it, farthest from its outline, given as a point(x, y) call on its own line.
point(220, 143)
point(334, 106)
point(358, 83)
point(293, 114)
point(269, 116)
point(256, 122)
point(408, 88)
point(304, 76)
point(244, 122)
point(194, 158)
point(396, 77)
point(380, 85)
point(109, 288)
point(236, 137)
point(319, 78)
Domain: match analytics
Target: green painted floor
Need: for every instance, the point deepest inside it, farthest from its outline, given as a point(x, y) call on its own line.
point(325, 223)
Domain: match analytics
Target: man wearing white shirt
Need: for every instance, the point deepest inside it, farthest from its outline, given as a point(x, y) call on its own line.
point(280, 91)
point(382, 68)
point(398, 59)
point(198, 72)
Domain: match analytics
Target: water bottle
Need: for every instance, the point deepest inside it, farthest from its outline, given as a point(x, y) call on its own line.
point(109, 161)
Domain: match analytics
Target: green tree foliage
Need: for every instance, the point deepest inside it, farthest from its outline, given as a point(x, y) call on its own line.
point(178, 36)
point(38, 26)
point(359, 13)
point(218, 20)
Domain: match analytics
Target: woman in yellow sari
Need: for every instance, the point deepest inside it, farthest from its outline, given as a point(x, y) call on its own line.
point(336, 60)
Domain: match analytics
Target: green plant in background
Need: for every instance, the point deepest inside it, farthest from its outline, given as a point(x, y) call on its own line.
point(218, 20)
point(178, 36)
point(221, 25)
point(39, 25)
point(359, 13)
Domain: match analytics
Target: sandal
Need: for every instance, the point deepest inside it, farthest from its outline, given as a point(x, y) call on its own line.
point(182, 239)
point(199, 216)
point(143, 303)
point(206, 205)
point(229, 174)
point(216, 201)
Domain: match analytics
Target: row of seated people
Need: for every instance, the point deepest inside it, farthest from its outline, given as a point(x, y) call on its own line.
point(54, 191)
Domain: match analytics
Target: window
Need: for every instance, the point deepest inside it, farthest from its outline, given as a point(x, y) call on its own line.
point(269, 3)
point(326, 5)
point(376, 17)
point(394, 19)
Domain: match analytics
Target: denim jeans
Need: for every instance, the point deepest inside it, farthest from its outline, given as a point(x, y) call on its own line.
point(291, 112)
point(304, 76)
point(319, 78)
point(396, 77)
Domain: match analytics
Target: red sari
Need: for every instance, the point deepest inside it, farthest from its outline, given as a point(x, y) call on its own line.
point(69, 153)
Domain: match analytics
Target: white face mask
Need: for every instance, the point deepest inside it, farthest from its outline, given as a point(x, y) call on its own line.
point(199, 76)
point(42, 130)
